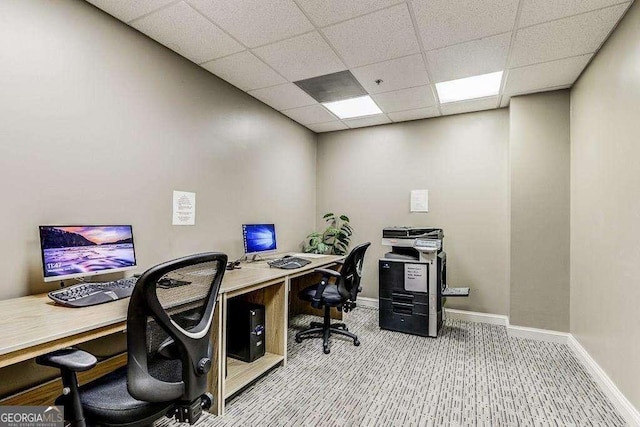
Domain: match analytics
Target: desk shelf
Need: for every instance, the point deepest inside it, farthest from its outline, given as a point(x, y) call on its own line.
point(240, 374)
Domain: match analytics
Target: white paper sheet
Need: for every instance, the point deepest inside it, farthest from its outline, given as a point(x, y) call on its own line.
point(184, 208)
point(415, 277)
point(419, 200)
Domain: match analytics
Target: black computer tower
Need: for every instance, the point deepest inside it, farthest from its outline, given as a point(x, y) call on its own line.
point(245, 330)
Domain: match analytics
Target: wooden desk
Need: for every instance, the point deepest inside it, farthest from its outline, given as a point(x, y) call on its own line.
point(34, 325)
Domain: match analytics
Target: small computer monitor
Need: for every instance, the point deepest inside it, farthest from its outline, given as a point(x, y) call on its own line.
point(85, 250)
point(259, 238)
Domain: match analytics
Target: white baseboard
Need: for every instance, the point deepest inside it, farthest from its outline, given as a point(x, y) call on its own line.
point(512, 331)
point(626, 409)
point(368, 302)
point(473, 316)
point(538, 334)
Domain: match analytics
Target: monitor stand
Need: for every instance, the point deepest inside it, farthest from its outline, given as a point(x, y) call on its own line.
point(258, 258)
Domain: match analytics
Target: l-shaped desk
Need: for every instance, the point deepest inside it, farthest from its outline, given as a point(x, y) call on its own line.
point(34, 325)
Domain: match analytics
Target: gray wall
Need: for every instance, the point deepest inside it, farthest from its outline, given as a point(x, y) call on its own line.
point(99, 124)
point(539, 168)
point(605, 207)
point(463, 162)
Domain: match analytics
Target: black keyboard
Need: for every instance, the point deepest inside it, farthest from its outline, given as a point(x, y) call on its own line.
point(289, 262)
point(86, 294)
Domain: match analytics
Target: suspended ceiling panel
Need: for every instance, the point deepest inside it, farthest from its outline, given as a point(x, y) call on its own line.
point(396, 50)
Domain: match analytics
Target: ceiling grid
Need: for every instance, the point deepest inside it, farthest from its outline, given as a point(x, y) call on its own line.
point(396, 49)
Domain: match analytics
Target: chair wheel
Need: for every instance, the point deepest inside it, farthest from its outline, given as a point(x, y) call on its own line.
point(206, 400)
point(298, 340)
point(356, 343)
point(326, 350)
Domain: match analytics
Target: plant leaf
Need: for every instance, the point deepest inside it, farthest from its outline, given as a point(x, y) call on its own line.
point(327, 215)
point(341, 246)
point(344, 218)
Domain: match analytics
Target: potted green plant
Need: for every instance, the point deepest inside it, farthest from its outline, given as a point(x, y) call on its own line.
point(334, 240)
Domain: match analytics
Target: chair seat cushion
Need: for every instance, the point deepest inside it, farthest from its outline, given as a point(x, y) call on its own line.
point(107, 400)
point(330, 296)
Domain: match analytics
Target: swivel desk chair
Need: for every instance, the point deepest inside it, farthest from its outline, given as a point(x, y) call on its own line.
point(341, 294)
point(169, 351)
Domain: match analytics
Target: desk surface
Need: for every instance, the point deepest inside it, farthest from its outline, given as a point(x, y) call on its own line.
point(34, 320)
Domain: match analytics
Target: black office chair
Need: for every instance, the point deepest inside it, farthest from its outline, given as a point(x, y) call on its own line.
point(169, 351)
point(341, 294)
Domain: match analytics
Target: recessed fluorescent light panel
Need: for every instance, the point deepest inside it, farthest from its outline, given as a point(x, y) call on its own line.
point(469, 88)
point(354, 107)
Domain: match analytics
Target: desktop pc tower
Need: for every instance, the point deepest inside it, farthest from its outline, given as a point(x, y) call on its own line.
point(245, 330)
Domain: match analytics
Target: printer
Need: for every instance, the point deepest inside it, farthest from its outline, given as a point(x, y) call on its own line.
point(413, 280)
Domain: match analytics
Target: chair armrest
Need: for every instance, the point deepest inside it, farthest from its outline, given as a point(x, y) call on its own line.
point(327, 272)
point(68, 358)
point(316, 300)
point(168, 349)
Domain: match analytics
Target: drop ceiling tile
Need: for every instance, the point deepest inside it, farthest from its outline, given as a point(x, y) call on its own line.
point(405, 99)
point(332, 87)
point(396, 74)
point(328, 12)
point(379, 119)
point(327, 127)
point(546, 75)
point(566, 37)
point(283, 97)
point(469, 106)
point(244, 71)
point(256, 22)
point(445, 22)
point(301, 57)
point(377, 37)
point(420, 113)
point(129, 10)
point(310, 115)
point(469, 59)
point(185, 31)
point(538, 11)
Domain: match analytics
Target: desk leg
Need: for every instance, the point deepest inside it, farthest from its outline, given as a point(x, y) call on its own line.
point(284, 321)
point(216, 376)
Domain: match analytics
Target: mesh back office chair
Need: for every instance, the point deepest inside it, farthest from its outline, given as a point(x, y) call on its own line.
point(341, 294)
point(169, 351)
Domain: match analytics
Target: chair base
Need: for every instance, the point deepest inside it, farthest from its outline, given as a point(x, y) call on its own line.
point(325, 330)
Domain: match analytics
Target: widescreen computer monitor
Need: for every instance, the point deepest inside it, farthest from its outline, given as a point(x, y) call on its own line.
point(78, 251)
point(258, 238)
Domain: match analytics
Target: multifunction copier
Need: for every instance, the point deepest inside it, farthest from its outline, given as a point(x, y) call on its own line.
point(413, 280)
